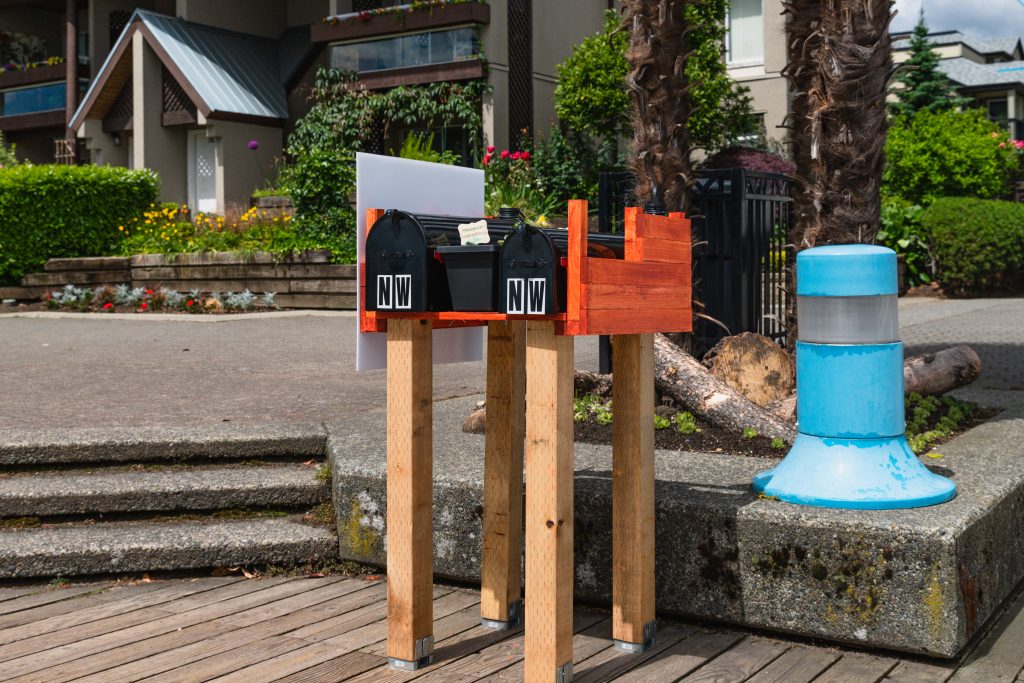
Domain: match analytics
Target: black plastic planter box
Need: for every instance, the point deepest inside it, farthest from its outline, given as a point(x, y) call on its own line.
point(472, 276)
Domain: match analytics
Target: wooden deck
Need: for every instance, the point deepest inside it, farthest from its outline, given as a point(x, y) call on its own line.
point(332, 629)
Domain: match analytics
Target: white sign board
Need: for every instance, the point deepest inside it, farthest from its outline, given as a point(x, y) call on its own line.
point(384, 182)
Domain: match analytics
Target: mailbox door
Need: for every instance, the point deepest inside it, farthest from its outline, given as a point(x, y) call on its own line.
point(531, 278)
point(397, 257)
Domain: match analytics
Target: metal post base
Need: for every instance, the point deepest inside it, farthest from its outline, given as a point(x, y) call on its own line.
point(563, 674)
point(515, 618)
point(410, 664)
point(424, 656)
point(650, 630)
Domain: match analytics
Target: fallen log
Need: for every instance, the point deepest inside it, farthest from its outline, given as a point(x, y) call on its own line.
point(681, 377)
point(586, 382)
point(932, 374)
point(753, 365)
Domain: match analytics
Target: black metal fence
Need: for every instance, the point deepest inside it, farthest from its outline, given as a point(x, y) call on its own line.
point(740, 223)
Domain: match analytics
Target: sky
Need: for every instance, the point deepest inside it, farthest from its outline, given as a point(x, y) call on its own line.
point(982, 18)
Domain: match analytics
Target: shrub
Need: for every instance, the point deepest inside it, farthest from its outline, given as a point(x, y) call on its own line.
point(750, 159)
point(65, 211)
point(977, 244)
point(903, 233)
point(947, 154)
point(320, 182)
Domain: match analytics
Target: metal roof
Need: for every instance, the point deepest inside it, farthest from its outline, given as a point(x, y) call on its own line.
point(232, 73)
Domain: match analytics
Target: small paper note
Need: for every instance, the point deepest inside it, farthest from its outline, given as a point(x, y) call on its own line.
point(474, 233)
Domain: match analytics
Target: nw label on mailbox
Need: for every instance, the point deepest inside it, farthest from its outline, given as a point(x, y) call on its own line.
point(403, 292)
point(384, 290)
point(394, 292)
point(535, 302)
point(514, 296)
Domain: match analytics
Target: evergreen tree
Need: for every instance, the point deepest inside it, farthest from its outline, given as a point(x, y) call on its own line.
point(925, 88)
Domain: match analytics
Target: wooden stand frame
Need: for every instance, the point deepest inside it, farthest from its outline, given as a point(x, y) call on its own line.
point(529, 401)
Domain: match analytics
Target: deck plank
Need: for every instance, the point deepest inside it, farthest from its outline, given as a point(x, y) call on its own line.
point(163, 653)
point(797, 665)
point(45, 597)
point(585, 644)
point(610, 663)
point(11, 593)
point(999, 657)
point(912, 671)
point(148, 623)
point(857, 666)
point(740, 662)
point(682, 658)
point(334, 670)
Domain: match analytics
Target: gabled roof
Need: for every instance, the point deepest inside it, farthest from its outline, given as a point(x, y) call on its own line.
point(983, 46)
point(970, 74)
point(226, 74)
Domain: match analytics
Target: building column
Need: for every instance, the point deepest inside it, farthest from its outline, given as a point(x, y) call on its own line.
point(70, 65)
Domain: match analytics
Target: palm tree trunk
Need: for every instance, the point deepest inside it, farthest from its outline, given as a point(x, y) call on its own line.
point(657, 54)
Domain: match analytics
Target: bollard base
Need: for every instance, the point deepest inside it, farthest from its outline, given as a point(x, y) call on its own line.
point(861, 474)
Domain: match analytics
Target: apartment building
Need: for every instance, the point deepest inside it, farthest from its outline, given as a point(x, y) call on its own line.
point(205, 92)
point(989, 71)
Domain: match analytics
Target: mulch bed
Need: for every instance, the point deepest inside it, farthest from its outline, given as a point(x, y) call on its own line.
point(43, 306)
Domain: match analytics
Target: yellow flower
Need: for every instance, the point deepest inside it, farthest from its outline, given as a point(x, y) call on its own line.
point(121, 228)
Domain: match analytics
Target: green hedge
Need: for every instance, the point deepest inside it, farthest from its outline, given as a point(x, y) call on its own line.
point(62, 211)
point(978, 244)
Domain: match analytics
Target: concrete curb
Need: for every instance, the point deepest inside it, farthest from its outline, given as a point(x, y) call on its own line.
point(923, 581)
point(218, 441)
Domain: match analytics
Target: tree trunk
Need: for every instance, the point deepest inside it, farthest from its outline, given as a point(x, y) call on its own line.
point(753, 365)
point(936, 373)
point(657, 54)
point(678, 375)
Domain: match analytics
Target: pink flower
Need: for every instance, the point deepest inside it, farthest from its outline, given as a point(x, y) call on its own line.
point(526, 156)
point(516, 155)
point(1019, 144)
point(505, 154)
point(487, 159)
point(490, 149)
point(254, 145)
point(1002, 145)
point(108, 306)
point(144, 306)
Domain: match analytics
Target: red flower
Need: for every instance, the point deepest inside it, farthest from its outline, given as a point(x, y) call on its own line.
point(144, 306)
point(526, 156)
point(490, 149)
point(108, 306)
point(487, 159)
point(190, 303)
point(505, 154)
point(516, 155)
point(148, 292)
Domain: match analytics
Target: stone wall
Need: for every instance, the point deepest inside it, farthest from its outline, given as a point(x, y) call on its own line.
point(306, 280)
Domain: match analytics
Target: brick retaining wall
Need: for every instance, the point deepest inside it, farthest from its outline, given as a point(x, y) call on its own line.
point(306, 280)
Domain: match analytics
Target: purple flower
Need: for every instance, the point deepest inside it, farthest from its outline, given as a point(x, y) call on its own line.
point(254, 145)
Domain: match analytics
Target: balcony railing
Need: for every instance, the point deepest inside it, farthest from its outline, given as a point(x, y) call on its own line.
point(34, 99)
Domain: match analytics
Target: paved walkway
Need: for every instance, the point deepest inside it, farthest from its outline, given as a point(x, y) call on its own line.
point(95, 371)
point(333, 629)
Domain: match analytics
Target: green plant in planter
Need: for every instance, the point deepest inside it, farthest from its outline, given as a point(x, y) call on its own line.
point(420, 147)
point(750, 433)
point(661, 422)
point(685, 423)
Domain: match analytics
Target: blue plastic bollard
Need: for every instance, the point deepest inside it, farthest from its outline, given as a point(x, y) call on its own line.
point(851, 450)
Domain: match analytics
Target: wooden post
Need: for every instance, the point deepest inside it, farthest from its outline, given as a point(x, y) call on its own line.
point(549, 491)
point(501, 604)
point(633, 623)
point(410, 490)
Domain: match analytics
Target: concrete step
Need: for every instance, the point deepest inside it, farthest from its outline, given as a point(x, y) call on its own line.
point(48, 494)
point(147, 546)
point(216, 442)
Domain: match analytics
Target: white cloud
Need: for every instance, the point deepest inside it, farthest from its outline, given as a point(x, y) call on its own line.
point(984, 19)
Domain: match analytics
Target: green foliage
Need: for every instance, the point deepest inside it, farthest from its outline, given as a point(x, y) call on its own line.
point(7, 155)
point(592, 98)
point(320, 182)
point(591, 95)
point(510, 181)
point(977, 244)
point(777, 444)
point(750, 433)
point(420, 147)
point(947, 154)
point(902, 232)
point(925, 88)
point(931, 419)
point(589, 405)
point(721, 108)
point(565, 169)
point(685, 423)
point(661, 422)
point(56, 211)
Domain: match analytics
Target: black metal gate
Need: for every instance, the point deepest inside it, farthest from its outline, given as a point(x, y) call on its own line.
point(740, 224)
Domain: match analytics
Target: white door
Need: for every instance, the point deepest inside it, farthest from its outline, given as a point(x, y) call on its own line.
point(203, 161)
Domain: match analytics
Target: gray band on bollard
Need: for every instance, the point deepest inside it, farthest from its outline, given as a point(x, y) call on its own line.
point(848, 319)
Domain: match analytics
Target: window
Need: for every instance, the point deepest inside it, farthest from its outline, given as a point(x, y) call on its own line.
point(998, 111)
point(32, 100)
point(744, 40)
point(414, 49)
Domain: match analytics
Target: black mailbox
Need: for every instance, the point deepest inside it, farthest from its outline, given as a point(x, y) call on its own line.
point(402, 273)
point(531, 274)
